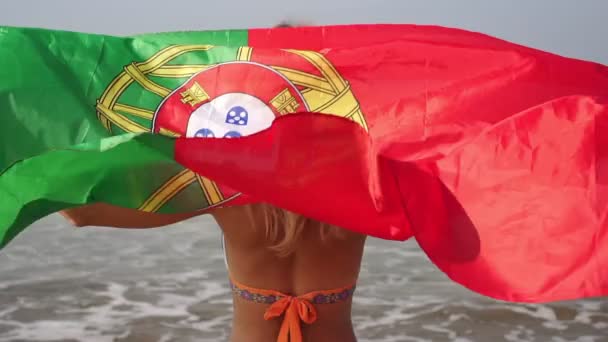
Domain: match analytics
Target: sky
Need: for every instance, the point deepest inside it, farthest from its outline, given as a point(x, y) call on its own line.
point(572, 28)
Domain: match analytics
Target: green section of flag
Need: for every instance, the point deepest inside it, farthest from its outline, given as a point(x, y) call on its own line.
point(50, 82)
point(55, 152)
point(89, 172)
point(232, 38)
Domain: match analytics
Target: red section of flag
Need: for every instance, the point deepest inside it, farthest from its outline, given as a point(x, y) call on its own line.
point(491, 154)
point(318, 165)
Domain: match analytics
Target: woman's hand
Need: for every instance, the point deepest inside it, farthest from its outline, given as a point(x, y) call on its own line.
point(106, 215)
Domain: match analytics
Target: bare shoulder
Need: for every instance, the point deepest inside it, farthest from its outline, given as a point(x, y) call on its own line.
point(319, 259)
point(249, 220)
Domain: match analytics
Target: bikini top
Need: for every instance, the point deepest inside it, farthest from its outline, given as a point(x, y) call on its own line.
point(294, 309)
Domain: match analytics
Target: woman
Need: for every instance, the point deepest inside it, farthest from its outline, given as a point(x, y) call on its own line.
point(291, 277)
point(272, 254)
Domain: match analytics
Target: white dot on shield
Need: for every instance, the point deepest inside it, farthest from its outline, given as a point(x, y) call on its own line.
point(232, 113)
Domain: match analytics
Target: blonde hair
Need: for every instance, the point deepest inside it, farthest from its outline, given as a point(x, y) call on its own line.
point(284, 229)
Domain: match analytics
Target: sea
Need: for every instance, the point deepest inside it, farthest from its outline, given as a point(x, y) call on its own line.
point(59, 283)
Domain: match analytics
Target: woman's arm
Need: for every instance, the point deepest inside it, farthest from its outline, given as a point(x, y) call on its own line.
point(106, 215)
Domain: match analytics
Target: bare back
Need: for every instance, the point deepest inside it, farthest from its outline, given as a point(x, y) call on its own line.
point(315, 264)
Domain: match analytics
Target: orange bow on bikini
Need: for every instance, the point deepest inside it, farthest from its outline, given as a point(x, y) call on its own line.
point(294, 309)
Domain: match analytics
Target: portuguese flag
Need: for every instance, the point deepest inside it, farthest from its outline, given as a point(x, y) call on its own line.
point(493, 156)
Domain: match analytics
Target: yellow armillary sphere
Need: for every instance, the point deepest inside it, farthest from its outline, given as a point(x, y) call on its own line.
point(221, 92)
